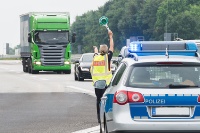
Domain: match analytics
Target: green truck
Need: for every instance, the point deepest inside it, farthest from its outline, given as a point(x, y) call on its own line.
point(45, 41)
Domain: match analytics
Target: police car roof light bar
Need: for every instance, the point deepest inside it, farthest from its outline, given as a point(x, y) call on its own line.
point(147, 48)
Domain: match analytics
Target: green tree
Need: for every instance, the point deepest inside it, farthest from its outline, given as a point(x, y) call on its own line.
point(146, 18)
point(149, 18)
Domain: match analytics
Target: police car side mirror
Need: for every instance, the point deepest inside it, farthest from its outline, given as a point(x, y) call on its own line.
point(114, 61)
point(100, 84)
point(120, 57)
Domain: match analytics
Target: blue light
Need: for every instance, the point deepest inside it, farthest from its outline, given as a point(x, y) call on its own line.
point(191, 46)
point(133, 47)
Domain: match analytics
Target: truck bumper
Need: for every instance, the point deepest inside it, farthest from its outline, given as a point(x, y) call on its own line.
point(51, 68)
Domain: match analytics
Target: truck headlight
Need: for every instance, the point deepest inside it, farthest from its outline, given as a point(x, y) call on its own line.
point(38, 63)
point(66, 62)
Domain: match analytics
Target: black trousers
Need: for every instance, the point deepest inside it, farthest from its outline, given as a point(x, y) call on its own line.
point(99, 93)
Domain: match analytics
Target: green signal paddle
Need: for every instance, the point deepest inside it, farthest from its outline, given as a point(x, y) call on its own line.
point(103, 21)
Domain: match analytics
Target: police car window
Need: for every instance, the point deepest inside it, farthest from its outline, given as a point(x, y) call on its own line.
point(163, 76)
point(118, 75)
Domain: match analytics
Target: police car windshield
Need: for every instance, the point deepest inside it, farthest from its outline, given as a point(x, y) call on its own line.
point(164, 77)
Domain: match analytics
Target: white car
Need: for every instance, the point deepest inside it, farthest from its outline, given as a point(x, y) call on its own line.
point(154, 90)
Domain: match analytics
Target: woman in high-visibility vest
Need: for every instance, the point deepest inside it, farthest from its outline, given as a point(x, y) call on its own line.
point(101, 68)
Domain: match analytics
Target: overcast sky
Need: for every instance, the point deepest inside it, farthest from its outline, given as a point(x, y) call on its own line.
point(10, 10)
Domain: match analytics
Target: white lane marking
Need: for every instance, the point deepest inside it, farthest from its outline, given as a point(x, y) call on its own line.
point(18, 61)
point(44, 79)
point(39, 78)
point(89, 130)
point(83, 90)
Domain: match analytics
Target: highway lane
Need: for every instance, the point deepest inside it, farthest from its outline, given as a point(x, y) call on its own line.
point(44, 82)
point(45, 102)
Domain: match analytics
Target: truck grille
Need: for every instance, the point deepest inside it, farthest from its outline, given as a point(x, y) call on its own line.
point(52, 55)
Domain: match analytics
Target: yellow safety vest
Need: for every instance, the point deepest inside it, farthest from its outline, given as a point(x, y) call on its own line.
point(99, 69)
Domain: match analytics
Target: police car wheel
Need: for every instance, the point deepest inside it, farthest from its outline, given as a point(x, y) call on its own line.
point(105, 128)
point(104, 125)
point(100, 128)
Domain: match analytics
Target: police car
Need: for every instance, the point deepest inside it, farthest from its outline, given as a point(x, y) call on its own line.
point(155, 89)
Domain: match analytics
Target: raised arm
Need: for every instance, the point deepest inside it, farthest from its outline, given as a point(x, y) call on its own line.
point(110, 34)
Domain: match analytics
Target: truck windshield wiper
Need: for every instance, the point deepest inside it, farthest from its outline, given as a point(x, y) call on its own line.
point(181, 86)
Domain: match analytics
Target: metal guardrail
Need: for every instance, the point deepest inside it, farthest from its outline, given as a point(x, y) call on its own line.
point(9, 56)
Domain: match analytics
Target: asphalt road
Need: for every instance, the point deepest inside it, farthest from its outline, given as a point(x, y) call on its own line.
point(45, 102)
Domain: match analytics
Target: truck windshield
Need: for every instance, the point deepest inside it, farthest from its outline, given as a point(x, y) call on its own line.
point(164, 77)
point(51, 37)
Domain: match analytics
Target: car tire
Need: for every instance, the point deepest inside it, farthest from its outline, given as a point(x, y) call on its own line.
point(79, 78)
point(105, 128)
point(105, 125)
point(101, 131)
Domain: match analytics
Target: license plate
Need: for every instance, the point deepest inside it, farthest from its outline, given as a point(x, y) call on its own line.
point(170, 111)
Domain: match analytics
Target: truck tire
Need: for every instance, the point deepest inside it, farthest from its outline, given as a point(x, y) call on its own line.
point(29, 65)
point(59, 72)
point(25, 69)
point(35, 71)
point(30, 68)
point(67, 72)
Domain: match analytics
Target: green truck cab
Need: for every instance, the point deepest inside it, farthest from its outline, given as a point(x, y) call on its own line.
point(45, 42)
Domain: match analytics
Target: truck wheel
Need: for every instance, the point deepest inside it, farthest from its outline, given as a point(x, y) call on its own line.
point(67, 72)
point(25, 69)
point(29, 65)
point(30, 68)
point(59, 72)
point(35, 72)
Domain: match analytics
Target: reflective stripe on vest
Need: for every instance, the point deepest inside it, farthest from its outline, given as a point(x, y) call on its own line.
point(99, 69)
